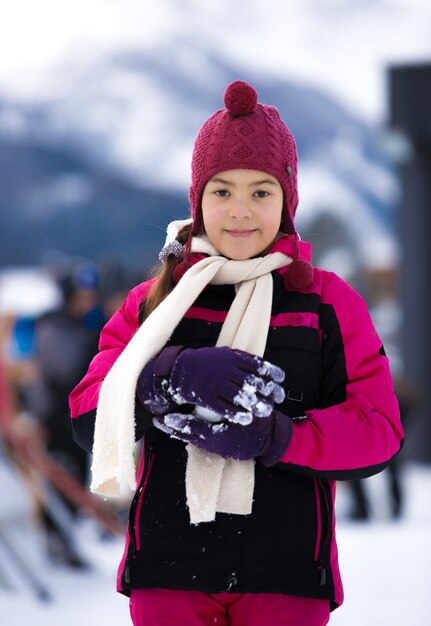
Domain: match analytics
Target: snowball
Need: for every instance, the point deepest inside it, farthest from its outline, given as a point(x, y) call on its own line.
point(207, 414)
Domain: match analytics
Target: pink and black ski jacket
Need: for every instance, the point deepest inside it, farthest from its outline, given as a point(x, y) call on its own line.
point(346, 425)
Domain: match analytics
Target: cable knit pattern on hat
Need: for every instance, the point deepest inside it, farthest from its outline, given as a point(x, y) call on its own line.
point(245, 135)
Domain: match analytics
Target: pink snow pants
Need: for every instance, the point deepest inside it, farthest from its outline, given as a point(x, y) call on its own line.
point(165, 607)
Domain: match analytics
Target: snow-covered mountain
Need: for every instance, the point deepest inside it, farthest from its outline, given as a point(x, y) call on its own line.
point(340, 46)
point(126, 95)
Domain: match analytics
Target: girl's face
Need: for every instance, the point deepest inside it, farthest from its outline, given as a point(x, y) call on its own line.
point(241, 212)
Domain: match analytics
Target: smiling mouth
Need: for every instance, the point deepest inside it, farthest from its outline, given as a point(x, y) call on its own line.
point(240, 233)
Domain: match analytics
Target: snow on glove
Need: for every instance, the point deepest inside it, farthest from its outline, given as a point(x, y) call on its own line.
point(149, 390)
point(267, 437)
point(235, 384)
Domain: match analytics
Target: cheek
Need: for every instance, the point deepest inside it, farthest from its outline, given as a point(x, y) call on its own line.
point(207, 222)
point(278, 219)
point(211, 219)
point(277, 225)
point(273, 225)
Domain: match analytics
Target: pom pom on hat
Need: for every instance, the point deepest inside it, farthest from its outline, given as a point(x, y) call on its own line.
point(240, 98)
point(180, 270)
point(299, 274)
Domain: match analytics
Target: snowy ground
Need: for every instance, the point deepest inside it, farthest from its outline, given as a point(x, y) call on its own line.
point(384, 565)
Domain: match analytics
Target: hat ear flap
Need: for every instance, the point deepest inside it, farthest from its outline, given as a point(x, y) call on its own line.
point(287, 227)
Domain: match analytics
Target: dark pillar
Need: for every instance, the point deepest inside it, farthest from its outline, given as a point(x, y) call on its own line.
point(410, 113)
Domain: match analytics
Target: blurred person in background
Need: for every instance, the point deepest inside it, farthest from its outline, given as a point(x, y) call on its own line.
point(256, 382)
point(116, 280)
point(65, 340)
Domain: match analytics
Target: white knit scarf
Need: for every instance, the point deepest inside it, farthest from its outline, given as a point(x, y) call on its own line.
point(212, 483)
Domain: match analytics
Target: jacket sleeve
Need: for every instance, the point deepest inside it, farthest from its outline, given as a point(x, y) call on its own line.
point(357, 429)
point(113, 339)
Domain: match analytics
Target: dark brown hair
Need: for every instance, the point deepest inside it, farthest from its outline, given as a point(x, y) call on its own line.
point(164, 274)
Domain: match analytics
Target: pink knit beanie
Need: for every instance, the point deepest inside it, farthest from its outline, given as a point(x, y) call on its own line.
point(245, 135)
point(252, 136)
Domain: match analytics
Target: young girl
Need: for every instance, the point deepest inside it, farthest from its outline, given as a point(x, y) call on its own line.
point(255, 382)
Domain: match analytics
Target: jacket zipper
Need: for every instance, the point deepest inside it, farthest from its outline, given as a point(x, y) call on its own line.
point(135, 541)
point(141, 493)
point(323, 528)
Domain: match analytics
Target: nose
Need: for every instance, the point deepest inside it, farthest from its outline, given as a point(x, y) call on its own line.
point(239, 208)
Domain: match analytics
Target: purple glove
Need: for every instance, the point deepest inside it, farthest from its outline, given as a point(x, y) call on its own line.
point(148, 388)
point(235, 384)
point(266, 437)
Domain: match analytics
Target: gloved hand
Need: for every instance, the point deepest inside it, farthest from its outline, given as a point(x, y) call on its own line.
point(265, 437)
point(235, 384)
point(149, 388)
